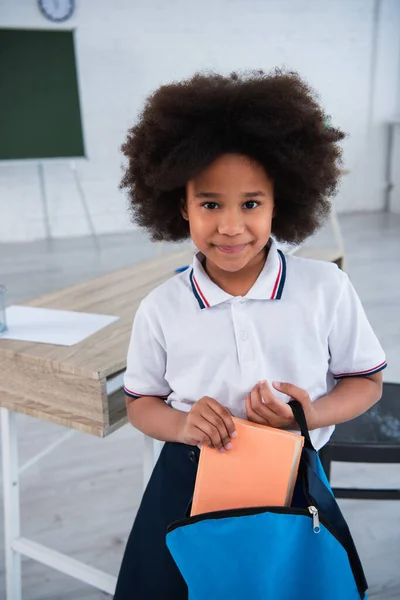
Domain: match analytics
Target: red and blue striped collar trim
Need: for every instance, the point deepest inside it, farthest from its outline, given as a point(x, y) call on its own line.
point(280, 278)
point(201, 299)
point(276, 293)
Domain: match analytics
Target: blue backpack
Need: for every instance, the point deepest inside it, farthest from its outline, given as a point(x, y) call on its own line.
point(301, 552)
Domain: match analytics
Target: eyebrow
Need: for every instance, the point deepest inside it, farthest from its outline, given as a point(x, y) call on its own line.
point(215, 195)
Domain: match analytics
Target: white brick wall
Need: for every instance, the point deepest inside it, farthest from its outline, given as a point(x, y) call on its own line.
point(349, 50)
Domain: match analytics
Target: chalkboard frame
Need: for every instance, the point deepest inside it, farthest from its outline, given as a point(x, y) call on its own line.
point(9, 158)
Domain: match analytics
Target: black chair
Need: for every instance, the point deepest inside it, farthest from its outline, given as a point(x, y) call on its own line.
point(374, 437)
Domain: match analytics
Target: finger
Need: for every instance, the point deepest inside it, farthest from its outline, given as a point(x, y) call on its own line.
point(291, 390)
point(268, 398)
point(257, 406)
point(197, 436)
point(212, 431)
point(219, 423)
point(276, 405)
point(265, 389)
point(225, 415)
point(214, 419)
point(206, 420)
point(251, 415)
point(268, 418)
point(273, 410)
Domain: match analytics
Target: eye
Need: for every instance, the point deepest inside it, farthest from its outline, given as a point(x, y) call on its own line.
point(253, 204)
point(210, 205)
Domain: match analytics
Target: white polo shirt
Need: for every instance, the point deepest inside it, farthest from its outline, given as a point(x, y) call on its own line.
point(301, 322)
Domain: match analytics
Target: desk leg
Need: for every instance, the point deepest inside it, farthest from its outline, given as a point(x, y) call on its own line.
point(11, 502)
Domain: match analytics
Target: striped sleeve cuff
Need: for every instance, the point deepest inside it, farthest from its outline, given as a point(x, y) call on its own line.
point(372, 371)
point(136, 395)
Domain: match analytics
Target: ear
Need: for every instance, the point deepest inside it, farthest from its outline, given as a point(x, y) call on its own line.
point(184, 212)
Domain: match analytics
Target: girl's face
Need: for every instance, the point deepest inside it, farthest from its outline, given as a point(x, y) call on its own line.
point(230, 207)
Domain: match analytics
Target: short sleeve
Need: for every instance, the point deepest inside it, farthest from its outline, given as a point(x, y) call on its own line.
point(146, 360)
point(354, 348)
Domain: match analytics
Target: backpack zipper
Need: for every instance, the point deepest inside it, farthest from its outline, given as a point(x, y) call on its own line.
point(314, 512)
point(310, 511)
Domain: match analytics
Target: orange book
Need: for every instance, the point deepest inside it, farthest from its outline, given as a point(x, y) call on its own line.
point(259, 470)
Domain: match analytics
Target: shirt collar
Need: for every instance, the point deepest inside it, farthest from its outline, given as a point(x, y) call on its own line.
point(269, 284)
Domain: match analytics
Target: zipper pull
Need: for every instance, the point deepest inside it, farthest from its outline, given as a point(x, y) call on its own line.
point(316, 525)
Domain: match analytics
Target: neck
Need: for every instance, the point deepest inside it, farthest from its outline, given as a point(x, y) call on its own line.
point(238, 283)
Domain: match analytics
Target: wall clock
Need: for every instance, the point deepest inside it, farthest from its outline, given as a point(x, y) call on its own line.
point(57, 10)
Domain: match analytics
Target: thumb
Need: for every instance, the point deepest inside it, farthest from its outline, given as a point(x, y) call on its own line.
point(295, 392)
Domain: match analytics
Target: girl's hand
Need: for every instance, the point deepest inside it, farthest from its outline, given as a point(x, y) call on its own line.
point(209, 423)
point(263, 407)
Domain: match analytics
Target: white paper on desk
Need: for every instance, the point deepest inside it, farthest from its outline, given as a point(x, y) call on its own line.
point(50, 326)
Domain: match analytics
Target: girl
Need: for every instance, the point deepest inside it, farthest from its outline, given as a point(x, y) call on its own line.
point(231, 162)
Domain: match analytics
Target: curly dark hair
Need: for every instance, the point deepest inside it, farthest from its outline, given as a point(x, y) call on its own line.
point(273, 118)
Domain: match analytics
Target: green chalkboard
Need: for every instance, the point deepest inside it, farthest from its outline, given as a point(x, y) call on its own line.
point(39, 98)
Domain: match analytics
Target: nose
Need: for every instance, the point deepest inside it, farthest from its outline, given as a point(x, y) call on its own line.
point(231, 222)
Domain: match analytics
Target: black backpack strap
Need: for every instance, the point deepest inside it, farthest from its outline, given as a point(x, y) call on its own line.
point(301, 421)
point(323, 498)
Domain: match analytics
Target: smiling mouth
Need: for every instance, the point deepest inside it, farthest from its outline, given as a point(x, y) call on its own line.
point(232, 249)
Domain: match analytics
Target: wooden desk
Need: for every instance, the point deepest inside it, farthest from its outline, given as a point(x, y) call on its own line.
point(78, 386)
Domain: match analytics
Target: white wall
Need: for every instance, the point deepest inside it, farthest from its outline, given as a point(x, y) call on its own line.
point(349, 50)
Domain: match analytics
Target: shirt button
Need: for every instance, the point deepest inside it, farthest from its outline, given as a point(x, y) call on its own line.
point(243, 335)
point(192, 456)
